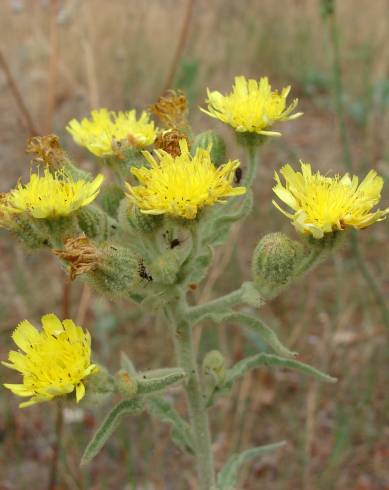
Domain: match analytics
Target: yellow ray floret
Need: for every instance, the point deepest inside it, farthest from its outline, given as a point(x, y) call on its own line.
point(105, 128)
point(252, 106)
point(53, 361)
point(182, 185)
point(51, 195)
point(326, 204)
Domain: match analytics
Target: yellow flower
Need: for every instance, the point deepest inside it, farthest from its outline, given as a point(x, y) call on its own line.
point(51, 195)
point(326, 204)
point(251, 106)
point(53, 362)
point(106, 128)
point(181, 185)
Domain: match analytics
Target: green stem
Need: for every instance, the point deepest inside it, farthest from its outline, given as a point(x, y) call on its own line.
point(224, 303)
point(252, 166)
point(183, 342)
point(338, 97)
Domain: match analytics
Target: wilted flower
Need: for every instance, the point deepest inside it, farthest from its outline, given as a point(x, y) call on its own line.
point(53, 362)
point(169, 141)
point(81, 255)
point(251, 106)
point(171, 109)
point(182, 185)
point(326, 204)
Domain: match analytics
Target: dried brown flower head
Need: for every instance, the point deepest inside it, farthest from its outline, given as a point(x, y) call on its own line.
point(169, 141)
point(47, 150)
point(81, 255)
point(171, 109)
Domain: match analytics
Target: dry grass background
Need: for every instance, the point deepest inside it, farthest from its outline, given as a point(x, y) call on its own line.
point(118, 54)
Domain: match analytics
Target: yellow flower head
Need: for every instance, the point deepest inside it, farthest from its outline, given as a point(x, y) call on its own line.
point(251, 106)
point(53, 362)
point(326, 204)
point(51, 195)
point(105, 128)
point(182, 185)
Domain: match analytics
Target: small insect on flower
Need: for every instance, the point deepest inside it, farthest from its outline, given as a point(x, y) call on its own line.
point(142, 271)
point(51, 195)
point(54, 361)
point(252, 106)
point(105, 130)
point(325, 204)
point(182, 185)
point(238, 175)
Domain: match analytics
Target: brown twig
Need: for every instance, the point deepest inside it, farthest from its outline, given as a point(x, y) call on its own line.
point(27, 120)
point(180, 45)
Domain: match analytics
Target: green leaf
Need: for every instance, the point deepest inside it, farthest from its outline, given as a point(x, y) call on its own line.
point(126, 407)
point(158, 379)
point(272, 360)
point(263, 330)
point(228, 476)
point(127, 364)
point(160, 408)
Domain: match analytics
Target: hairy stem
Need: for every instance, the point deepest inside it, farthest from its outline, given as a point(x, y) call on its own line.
point(251, 167)
point(186, 358)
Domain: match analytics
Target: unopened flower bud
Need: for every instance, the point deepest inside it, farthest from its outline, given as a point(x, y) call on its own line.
point(210, 139)
point(110, 199)
point(125, 384)
point(214, 367)
point(95, 223)
point(142, 222)
point(165, 267)
point(274, 262)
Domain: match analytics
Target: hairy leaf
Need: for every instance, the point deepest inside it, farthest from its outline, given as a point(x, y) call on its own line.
point(125, 407)
point(228, 476)
point(181, 432)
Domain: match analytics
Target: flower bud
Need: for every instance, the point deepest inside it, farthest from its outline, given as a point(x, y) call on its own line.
point(214, 367)
point(95, 223)
point(125, 384)
point(32, 233)
point(274, 262)
point(145, 223)
point(110, 199)
point(217, 144)
point(165, 267)
point(99, 387)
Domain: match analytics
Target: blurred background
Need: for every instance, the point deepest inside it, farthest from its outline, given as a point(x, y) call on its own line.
point(60, 59)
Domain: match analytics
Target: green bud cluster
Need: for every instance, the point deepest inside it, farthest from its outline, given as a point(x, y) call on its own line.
point(34, 234)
